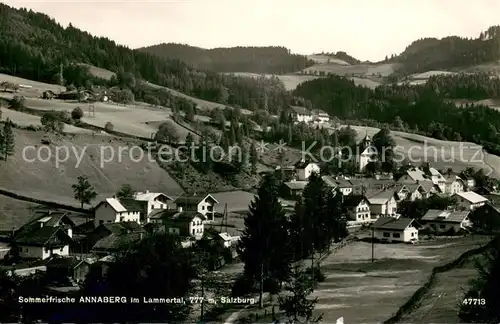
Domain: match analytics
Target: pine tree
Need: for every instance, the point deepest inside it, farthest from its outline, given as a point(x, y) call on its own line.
point(254, 158)
point(83, 191)
point(264, 242)
point(297, 305)
point(7, 139)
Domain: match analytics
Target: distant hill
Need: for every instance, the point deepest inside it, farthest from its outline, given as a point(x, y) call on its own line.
point(339, 58)
point(451, 53)
point(272, 59)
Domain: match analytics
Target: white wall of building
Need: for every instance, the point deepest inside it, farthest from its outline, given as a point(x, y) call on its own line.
point(408, 234)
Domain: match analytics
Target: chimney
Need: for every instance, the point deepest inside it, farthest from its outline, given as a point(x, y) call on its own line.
point(147, 191)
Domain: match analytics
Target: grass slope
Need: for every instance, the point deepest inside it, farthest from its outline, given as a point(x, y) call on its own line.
point(14, 213)
point(46, 181)
point(385, 69)
point(35, 86)
point(325, 59)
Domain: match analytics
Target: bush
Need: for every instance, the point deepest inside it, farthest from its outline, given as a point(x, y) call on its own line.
point(77, 113)
point(109, 127)
point(319, 276)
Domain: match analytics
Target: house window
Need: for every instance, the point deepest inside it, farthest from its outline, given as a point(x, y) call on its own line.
point(386, 234)
point(27, 250)
point(202, 207)
point(396, 235)
point(194, 231)
point(442, 226)
point(412, 234)
point(61, 249)
point(101, 222)
point(122, 219)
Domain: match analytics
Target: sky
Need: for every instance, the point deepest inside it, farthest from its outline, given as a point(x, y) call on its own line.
point(365, 29)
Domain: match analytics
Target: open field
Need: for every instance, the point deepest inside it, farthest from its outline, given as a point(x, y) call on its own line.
point(324, 59)
point(99, 72)
point(365, 292)
point(491, 67)
point(52, 182)
point(428, 74)
point(38, 87)
point(130, 119)
point(441, 154)
point(442, 302)
point(384, 69)
point(236, 200)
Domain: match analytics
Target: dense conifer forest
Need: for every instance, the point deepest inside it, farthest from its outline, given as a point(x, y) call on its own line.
point(272, 59)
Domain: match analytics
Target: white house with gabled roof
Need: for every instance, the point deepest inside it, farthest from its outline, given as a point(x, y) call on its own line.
point(304, 169)
point(152, 201)
point(203, 204)
point(301, 114)
point(114, 210)
point(470, 200)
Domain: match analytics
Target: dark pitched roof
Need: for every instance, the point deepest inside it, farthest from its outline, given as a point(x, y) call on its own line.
point(180, 216)
point(35, 235)
point(51, 217)
point(389, 223)
point(445, 216)
point(193, 200)
point(58, 261)
point(133, 205)
point(353, 200)
point(116, 242)
point(123, 227)
point(301, 110)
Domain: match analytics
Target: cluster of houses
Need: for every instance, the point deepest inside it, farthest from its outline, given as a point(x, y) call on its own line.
point(80, 95)
point(53, 243)
point(374, 201)
point(302, 114)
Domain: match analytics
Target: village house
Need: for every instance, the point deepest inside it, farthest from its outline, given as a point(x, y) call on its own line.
point(203, 204)
point(304, 169)
point(438, 179)
point(338, 183)
point(295, 188)
point(183, 223)
point(114, 210)
point(383, 204)
point(151, 201)
point(415, 191)
point(67, 270)
point(469, 200)
point(320, 116)
point(453, 184)
point(444, 221)
point(469, 182)
point(48, 233)
point(358, 209)
point(395, 230)
point(301, 114)
point(401, 192)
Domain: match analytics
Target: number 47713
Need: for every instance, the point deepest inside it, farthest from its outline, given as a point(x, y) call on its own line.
point(474, 301)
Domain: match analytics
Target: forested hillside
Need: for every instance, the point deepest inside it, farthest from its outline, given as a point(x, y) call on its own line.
point(272, 59)
point(33, 45)
point(450, 52)
point(415, 108)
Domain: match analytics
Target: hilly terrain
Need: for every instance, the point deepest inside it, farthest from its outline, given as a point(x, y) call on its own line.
point(272, 60)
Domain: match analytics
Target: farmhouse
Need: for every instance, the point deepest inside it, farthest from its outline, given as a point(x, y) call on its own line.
point(401, 192)
point(203, 204)
point(358, 208)
point(109, 232)
point(182, 223)
point(47, 234)
point(295, 188)
point(320, 116)
point(469, 200)
point(444, 221)
point(114, 238)
point(152, 201)
point(383, 204)
point(113, 210)
point(304, 169)
point(395, 230)
point(301, 114)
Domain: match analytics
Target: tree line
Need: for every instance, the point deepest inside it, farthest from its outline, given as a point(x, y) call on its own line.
point(429, 54)
point(270, 59)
